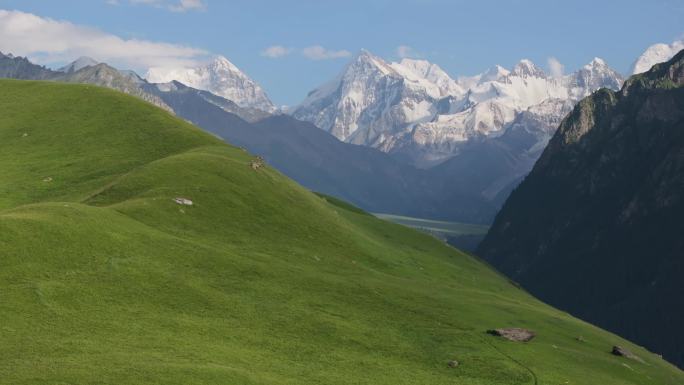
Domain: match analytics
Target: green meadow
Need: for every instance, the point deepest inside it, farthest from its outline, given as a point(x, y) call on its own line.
point(441, 228)
point(105, 279)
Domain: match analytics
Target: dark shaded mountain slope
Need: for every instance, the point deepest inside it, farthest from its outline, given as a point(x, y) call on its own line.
point(596, 227)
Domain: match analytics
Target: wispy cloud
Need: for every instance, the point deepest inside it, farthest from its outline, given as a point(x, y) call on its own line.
point(171, 5)
point(314, 52)
point(556, 68)
point(317, 52)
point(276, 51)
point(48, 41)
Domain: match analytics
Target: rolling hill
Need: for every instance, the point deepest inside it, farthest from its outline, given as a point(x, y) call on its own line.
point(109, 275)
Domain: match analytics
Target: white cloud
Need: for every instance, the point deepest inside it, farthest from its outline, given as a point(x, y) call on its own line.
point(657, 53)
point(175, 5)
point(555, 67)
point(316, 52)
point(276, 51)
point(187, 5)
point(49, 41)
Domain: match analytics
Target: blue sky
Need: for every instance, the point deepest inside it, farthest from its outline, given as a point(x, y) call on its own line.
point(463, 37)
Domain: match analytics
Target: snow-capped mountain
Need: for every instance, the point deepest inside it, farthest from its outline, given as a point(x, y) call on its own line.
point(417, 111)
point(372, 101)
point(220, 77)
point(430, 76)
point(497, 99)
point(657, 53)
point(81, 62)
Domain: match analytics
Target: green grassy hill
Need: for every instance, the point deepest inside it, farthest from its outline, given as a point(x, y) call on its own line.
point(440, 228)
point(104, 279)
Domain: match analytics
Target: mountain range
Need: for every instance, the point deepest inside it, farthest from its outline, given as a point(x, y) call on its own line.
point(414, 110)
point(595, 228)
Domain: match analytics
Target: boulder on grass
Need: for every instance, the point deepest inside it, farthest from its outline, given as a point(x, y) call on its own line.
point(183, 201)
point(513, 334)
point(622, 352)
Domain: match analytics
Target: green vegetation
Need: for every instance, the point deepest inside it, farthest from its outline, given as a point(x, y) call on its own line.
point(439, 228)
point(104, 279)
point(464, 236)
point(342, 204)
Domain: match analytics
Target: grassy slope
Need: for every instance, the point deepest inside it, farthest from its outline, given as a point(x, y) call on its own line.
point(105, 280)
point(440, 227)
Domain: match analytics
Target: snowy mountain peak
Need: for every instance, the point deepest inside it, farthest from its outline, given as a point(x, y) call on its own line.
point(495, 73)
point(222, 63)
point(365, 60)
point(597, 62)
point(365, 56)
point(657, 53)
point(221, 77)
point(81, 62)
point(431, 77)
point(592, 76)
point(526, 69)
point(425, 70)
point(422, 67)
point(597, 65)
point(359, 105)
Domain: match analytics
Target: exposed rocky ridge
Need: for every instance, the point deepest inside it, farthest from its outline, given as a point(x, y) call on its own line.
point(80, 71)
point(78, 64)
point(106, 76)
point(596, 227)
point(17, 67)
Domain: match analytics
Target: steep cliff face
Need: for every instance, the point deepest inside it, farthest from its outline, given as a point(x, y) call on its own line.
point(596, 227)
